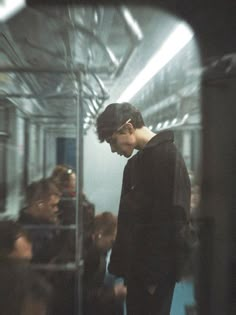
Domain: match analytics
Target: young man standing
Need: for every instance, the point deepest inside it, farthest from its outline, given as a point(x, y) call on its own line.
point(154, 207)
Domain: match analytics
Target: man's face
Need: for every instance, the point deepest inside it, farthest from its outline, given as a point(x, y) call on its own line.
point(48, 210)
point(122, 143)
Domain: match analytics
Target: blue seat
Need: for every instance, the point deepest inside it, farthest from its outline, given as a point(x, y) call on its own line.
point(183, 295)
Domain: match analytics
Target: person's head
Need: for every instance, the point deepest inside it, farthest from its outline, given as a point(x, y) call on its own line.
point(42, 198)
point(65, 178)
point(14, 241)
point(117, 124)
point(105, 226)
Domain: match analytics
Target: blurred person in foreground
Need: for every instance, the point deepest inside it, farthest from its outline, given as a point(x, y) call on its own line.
point(22, 291)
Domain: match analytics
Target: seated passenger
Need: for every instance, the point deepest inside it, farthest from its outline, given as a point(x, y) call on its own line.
point(14, 241)
point(65, 179)
point(99, 297)
point(42, 199)
point(64, 283)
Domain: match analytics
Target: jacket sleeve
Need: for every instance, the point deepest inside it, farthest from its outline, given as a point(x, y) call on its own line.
point(119, 260)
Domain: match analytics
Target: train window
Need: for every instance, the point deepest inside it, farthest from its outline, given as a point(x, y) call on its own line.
point(60, 67)
point(66, 151)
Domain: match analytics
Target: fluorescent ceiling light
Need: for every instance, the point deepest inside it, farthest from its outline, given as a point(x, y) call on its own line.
point(9, 8)
point(177, 40)
point(87, 119)
point(166, 123)
point(174, 121)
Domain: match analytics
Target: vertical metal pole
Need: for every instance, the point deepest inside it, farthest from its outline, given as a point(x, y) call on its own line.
point(79, 194)
point(26, 159)
point(44, 153)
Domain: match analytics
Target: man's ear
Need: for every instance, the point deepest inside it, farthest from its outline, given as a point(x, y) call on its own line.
point(129, 127)
point(96, 236)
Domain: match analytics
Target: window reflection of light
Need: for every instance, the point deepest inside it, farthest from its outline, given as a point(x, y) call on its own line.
point(185, 117)
point(177, 40)
point(158, 126)
point(87, 119)
point(174, 121)
point(166, 123)
point(9, 8)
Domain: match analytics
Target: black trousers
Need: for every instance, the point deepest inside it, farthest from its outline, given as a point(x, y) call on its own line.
point(140, 302)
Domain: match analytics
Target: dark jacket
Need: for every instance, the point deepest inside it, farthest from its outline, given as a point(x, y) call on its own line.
point(45, 241)
point(99, 298)
point(155, 198)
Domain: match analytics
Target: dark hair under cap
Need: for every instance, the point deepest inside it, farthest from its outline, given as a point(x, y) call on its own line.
point(114, 116)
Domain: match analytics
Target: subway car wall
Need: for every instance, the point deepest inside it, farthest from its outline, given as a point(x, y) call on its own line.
point(57, 75)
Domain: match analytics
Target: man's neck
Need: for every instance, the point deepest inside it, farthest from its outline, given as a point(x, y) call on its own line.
point(143, 136)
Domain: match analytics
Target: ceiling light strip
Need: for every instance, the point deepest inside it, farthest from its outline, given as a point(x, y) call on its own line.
point(177, 40)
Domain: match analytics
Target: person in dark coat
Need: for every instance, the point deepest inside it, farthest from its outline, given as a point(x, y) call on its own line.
point(153, 211)
point(101, 297)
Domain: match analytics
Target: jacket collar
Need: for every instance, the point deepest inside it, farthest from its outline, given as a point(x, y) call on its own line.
point(162, 136)
point(27, 218)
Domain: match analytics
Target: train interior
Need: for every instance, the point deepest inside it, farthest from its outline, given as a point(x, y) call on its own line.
point(60, 66)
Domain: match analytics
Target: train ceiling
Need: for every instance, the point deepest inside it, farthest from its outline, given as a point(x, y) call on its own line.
point(50, 56)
